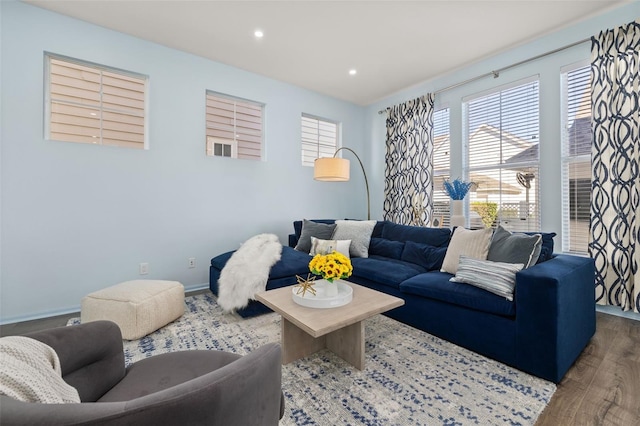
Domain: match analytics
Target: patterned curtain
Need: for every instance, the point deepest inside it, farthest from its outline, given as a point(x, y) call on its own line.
point(615, 200)
point(408, 186)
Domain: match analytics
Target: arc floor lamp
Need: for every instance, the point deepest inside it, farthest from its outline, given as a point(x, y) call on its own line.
point(336, 169)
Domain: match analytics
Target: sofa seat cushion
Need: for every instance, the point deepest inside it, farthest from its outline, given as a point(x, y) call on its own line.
point(163, 371)
point(383, 270)
point(436, 285)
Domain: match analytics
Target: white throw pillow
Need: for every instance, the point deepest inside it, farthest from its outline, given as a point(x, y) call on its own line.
point(474, 244)
point(359, 232)
point(319, 246)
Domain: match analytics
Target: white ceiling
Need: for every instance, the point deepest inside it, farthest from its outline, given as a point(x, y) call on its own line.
point(313, 44)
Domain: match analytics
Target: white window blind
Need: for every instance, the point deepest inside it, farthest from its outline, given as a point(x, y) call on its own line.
point(90, 103)
point(319, 138)
point(576, 157)
point(502, 147)
point(441, 166)
point(234, 127)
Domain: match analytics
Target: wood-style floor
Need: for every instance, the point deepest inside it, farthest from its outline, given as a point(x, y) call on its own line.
point(601, 388)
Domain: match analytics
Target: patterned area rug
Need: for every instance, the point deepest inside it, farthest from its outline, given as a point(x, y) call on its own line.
point(411, 377)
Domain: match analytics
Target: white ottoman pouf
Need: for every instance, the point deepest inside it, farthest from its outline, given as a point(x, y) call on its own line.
point(139, 307)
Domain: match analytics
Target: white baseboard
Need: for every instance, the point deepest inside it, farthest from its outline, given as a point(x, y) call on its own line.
point(76, 308)
point(615, 310)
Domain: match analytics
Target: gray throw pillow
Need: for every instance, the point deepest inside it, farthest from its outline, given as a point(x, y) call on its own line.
point(514, 247)
point(359, 232)
point(310, 229)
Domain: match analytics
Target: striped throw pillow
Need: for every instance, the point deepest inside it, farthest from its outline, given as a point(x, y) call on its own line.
point(497, 277)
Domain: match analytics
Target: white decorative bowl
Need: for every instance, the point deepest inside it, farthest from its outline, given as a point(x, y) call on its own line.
point(320, 299)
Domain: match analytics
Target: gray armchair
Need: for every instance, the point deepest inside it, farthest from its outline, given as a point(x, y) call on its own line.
point(179, 388)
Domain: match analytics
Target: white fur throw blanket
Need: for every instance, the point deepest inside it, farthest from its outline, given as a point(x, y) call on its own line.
point(247, 271)
point(30, 372)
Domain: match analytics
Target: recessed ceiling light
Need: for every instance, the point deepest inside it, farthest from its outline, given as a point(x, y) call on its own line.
point(258, 34)
point(353, 72)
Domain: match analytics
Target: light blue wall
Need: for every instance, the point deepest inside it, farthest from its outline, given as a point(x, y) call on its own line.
point(77, 218)
point(547, 68)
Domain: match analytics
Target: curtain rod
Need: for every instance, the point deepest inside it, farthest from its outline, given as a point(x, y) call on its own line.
point(497, 72)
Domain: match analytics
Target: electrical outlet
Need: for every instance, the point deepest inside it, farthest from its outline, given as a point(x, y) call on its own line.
point(144, 268)
point(192, 262)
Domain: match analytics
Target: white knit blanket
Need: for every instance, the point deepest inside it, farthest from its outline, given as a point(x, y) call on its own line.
point(247, 271)
point(30, 372)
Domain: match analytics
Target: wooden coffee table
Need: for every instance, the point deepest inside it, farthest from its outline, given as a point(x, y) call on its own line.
point(341, 330)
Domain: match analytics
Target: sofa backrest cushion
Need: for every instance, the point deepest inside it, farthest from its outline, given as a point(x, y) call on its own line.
point(386, 248)
point(425, 255)
point(437, 237)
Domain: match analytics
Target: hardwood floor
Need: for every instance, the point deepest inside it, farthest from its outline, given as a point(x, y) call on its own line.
point(601, 388)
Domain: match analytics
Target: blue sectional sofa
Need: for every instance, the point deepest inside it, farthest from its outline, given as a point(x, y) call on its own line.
point(542, 331)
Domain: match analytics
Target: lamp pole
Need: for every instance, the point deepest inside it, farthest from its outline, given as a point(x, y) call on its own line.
point(366, 181)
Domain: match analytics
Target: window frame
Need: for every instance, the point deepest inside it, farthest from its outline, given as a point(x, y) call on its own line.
point(469, 170)
point(236, 142)
point(568, 160)
point(49, 98)
point(318, 154)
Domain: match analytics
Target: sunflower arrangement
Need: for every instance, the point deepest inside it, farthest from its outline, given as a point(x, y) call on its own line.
point(331, 266)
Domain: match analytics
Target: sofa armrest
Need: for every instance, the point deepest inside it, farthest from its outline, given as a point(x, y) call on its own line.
point(293, 240)
point(91, 356)
point(555, 314)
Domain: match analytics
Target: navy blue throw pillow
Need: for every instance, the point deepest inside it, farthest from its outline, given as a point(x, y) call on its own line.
point(386, 248)
point(546, 252)
point(429, 257)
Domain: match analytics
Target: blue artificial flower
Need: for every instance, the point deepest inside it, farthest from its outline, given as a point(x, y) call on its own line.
point(457, 189)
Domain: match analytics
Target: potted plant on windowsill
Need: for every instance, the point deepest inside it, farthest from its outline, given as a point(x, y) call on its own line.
point(457, 190)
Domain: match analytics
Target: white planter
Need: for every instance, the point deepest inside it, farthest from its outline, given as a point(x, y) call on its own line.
point(331, 289)
point(457, 216)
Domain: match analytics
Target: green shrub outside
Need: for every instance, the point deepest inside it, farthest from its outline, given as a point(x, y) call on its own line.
point(487, 210)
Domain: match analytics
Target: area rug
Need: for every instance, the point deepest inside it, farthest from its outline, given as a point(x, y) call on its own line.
point(410, 377)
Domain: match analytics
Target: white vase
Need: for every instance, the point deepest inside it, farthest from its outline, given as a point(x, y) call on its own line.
point(457, 216)
point(331, 289)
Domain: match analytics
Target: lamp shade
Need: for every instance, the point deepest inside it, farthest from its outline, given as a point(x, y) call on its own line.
point(331, 169)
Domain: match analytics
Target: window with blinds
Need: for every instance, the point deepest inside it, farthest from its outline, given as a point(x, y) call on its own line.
point(90, 103)
point(234, 127)
point(576, 157)
point(441, 167)
point(502, 157)
point(319, 138)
